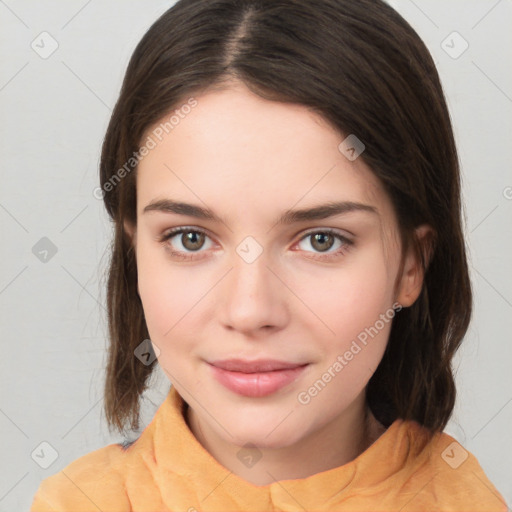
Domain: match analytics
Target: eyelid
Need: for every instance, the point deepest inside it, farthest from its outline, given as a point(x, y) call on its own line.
point(333, 231)
point(170, 233)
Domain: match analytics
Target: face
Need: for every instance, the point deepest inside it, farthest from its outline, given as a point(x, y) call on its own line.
point(251, 283)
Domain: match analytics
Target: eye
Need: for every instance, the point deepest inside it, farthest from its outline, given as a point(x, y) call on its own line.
point(190, 241)
point(322, 241)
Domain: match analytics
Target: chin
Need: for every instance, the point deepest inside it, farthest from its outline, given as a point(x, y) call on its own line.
point(264, 436)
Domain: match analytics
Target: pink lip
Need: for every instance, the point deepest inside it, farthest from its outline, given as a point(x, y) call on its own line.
point(256, 366)
point(255, 378)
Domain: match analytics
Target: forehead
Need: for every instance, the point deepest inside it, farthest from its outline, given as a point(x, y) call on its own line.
point(238, 152)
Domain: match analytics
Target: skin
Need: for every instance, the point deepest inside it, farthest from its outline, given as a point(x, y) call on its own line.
point(248, 160)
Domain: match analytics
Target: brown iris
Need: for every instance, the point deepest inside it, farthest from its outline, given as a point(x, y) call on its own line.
point(320, 241)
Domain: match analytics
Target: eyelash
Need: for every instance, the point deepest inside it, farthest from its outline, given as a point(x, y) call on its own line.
point(347, 244)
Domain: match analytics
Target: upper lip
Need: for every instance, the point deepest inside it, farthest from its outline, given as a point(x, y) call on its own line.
point(260, 365)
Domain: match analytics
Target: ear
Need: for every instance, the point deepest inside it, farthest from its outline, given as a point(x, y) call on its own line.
point(411, 281)
point(131, 231)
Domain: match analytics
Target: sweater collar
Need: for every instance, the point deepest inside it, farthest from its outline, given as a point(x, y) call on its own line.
point(176, 455)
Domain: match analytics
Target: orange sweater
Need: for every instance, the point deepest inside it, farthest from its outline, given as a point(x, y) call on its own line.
point(167, 469)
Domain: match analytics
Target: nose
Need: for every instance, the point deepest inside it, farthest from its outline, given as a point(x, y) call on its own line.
point(252, 299)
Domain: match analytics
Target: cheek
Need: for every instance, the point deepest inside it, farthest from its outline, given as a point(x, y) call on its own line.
point(167, 293)
point(350, 302)
point(356, 305)
point(350, 298)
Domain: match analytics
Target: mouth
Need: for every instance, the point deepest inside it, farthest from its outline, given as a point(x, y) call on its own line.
point(256, 378)
point(257, 366)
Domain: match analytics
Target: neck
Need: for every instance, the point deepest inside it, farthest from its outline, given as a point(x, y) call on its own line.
point(335, 444)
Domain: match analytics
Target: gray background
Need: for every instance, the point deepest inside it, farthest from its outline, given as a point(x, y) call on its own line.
point(54, 113)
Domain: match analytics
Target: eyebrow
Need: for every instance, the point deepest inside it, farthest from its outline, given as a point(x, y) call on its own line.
point(319, 212)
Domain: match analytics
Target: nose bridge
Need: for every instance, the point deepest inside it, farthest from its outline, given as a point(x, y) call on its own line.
point(252, 296)
point(250, 272)
point(250, 276)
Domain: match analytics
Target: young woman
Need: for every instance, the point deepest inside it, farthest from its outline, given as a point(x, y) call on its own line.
point(285, 191)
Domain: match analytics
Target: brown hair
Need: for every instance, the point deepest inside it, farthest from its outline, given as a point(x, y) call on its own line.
point(362, 67)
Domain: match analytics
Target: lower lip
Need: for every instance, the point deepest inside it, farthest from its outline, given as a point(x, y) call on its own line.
point(256, 384)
